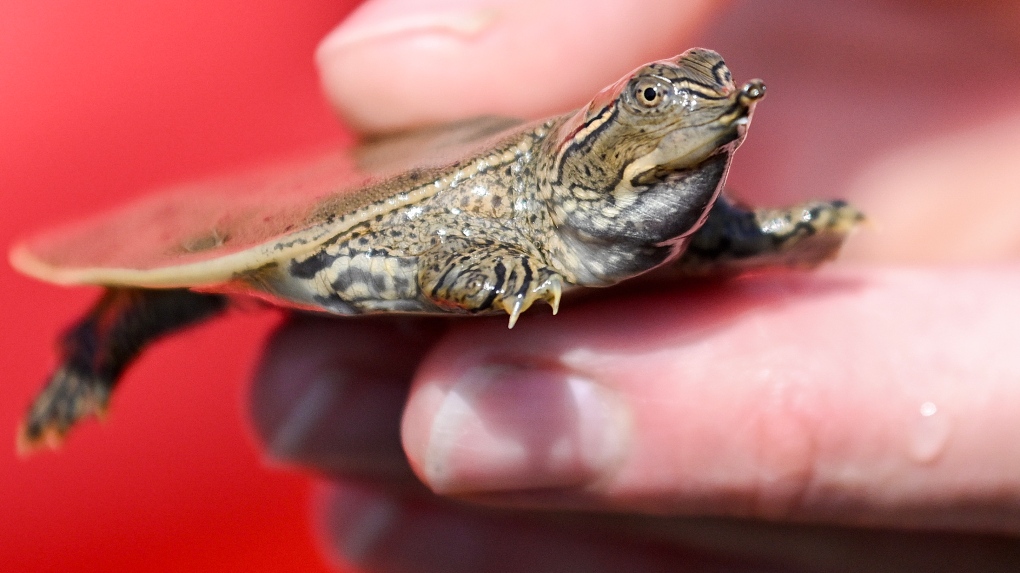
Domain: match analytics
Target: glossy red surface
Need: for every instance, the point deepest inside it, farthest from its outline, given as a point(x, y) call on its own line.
point(98, 102)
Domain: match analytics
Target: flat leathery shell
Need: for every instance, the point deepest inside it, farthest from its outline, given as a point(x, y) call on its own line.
point(206, 234)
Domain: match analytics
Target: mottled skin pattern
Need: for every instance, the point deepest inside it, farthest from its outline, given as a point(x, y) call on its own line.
point(434, 254)
point(628, 184)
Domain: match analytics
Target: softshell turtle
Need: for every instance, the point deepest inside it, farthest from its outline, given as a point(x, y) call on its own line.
point(476, 218)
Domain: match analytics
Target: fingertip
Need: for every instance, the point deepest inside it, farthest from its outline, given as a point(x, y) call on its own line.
point(329, 393)
point(357, 522)
point(395, 64)
point(502, 427)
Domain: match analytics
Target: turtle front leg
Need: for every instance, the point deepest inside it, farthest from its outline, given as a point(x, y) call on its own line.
point(96, 350)
point(481, 277)
point(734, 239)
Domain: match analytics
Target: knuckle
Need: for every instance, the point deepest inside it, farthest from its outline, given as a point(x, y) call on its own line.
point(787, 424)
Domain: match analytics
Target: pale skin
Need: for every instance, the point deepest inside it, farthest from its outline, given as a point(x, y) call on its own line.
point(880, 391)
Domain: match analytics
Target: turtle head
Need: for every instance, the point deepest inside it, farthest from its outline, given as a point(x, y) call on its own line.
point(663, 117)
point(644, 161)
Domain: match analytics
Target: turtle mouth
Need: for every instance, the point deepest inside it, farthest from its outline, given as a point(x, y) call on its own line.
point(691, 145)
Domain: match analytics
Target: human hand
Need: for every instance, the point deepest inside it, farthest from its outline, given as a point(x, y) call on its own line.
point(752, 420)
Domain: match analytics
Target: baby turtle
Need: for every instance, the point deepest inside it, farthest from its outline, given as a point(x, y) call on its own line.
point(475, 218)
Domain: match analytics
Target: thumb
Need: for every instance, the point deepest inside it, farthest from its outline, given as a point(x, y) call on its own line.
point(398, 63)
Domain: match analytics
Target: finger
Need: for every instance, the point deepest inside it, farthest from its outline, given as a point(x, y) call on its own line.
point(865, 397)
point(375, 531)
point(378, 531)
point(329, 393)
point(914, 194)
point(398, 63)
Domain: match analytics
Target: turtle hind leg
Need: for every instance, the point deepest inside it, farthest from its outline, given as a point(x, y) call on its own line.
point(734, 239)
point(96, 350)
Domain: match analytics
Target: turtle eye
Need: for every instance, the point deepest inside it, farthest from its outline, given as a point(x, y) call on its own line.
point(651, 93)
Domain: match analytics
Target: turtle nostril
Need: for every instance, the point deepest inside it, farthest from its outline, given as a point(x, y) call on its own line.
point(753, 90)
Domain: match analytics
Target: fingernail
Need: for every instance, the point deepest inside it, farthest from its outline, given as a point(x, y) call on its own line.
point(344, 423)
point(368, 26)
point(361, 521)
point(505, 428)
point(306, 414)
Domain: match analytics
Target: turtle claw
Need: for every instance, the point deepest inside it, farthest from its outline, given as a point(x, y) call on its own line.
point(519, 305)
point(550, 290)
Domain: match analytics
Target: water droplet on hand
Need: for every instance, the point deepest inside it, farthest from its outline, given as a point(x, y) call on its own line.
point(929, 433)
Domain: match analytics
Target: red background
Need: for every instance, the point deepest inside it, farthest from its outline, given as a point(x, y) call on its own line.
point(99, 101)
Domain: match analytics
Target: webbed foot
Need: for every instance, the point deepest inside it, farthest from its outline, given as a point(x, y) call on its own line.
point(70, 395)
point(482, 278)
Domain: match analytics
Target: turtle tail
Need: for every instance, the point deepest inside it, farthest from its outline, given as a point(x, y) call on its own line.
point(95, 351)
